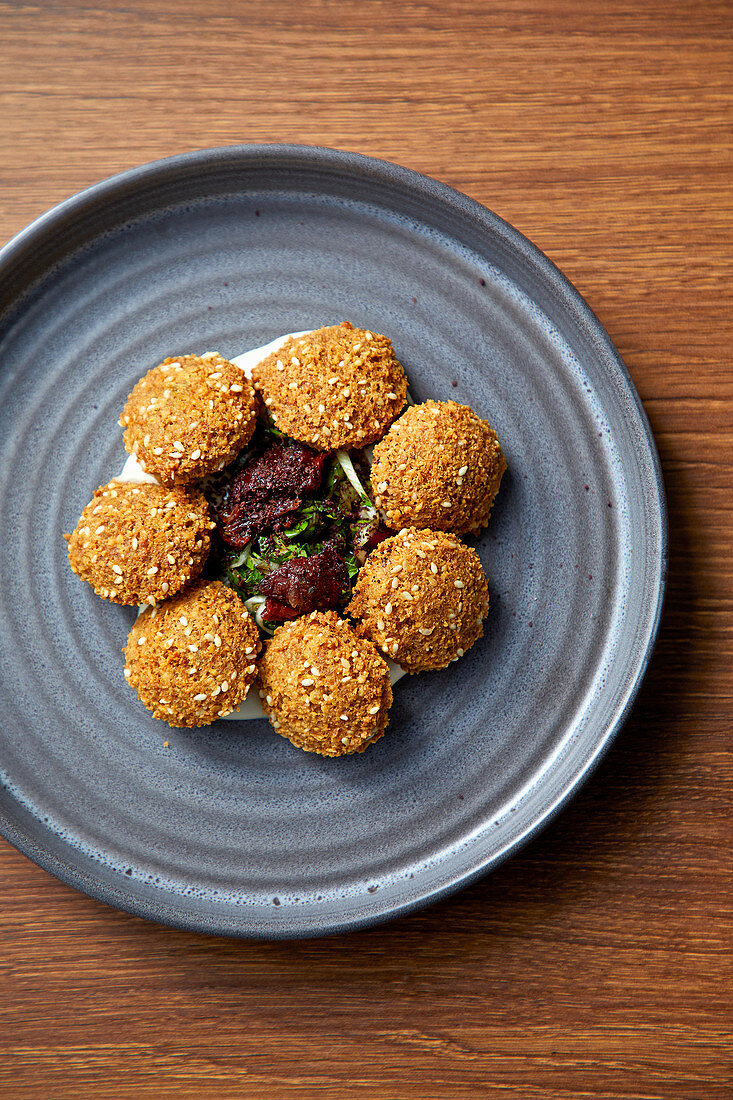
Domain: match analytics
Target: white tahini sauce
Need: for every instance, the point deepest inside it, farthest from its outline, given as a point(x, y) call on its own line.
point(133, 471)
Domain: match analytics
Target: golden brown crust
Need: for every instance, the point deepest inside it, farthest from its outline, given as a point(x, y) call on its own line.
point(439, 466)
point(337, 388)
point(323, 688)
point(189, 417)
point(141, 543)
point(192, 660)
point(421, 598)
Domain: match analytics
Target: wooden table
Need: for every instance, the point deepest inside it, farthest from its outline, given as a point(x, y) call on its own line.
point(597, 962)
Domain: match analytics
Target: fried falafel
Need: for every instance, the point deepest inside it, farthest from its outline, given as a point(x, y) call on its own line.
point(421, 598)
point(189, 417)
point(439, 466)
point(337, 388)
point(140, 543)
point(324, 688)
point(192, 660)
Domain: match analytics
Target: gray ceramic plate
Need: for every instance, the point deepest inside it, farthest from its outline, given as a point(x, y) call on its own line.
point(230, 829)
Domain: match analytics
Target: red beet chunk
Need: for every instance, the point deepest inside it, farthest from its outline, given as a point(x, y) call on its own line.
point(379, 535)
point(268, 492)
point(273, 611)
point(316, 583)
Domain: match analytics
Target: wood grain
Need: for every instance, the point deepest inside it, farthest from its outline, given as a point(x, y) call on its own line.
point(597, 963)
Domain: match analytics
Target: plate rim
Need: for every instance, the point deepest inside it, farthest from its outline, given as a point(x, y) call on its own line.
point(351, 164)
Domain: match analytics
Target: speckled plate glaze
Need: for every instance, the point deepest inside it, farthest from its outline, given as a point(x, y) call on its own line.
point(230, 829)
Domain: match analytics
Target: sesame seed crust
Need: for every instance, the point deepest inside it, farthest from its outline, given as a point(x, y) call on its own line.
point(165, 645)
point(189, 417)
point(439, 466)
point(434, 613)
point(337, 388)
point(141, 543)
point(324, 688)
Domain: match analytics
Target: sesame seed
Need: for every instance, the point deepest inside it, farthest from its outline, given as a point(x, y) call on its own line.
point(321, 408)
point(308, 682)
point(388, 609)
point(217, 640)
point(196, 454)
point(463, 471)
point(344, 717)
point(460, 652)
point(433, 567)
point(164, 586)
point(382, 487)
point(194, 648)
point(126, 673)
point(380, 624)
point(459, 584)
point(392, 396)
point(216, 374)
point(426, 629)
point(269, 700)
point(141, 640)
point(171, 559)
point(209, 637)
point(199, 698)
point(445, 504)
point(420, 553)
point(151, 571)
point(224, 685)
point(374, 710)
point(295, 360)
point(236, 388)
point(157, 450)
point(280, 365)
point(395, 583)
point(116, 569)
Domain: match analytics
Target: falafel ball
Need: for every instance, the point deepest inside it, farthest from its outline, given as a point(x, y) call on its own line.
point(421, 598)
point(439, 466)
point(189, 417)
point(337, 388)
point(141, 543)
point(192, 660)
point(323, 688)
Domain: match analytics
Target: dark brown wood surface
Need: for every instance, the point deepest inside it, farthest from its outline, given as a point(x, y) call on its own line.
point(597, 963)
